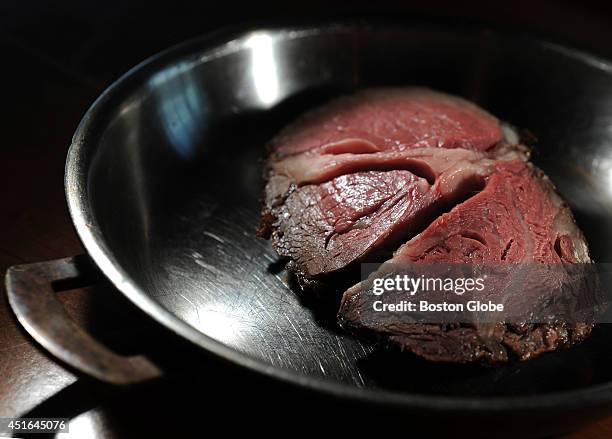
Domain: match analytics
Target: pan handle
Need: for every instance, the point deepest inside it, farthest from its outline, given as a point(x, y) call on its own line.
point(31, 290)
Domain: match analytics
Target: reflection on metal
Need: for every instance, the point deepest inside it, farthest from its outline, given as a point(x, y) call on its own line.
point(263, 67)
point(221, 324)
point(603, 166)
point(183, 109)
point(83, 425)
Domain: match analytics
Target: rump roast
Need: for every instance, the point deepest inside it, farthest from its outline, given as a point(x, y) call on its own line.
point(416, 176)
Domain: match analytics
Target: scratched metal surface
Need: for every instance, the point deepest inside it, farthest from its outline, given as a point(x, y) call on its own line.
point(217, 277)
point(173, 179)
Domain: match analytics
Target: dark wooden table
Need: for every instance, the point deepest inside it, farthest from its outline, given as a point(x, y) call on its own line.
point(43, 100)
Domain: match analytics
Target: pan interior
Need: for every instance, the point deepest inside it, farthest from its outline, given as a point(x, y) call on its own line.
point(175, 182)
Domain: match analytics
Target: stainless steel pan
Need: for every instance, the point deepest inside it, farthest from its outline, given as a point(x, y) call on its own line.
point(163, 179)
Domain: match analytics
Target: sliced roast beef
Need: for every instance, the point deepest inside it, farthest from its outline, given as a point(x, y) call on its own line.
point(340, 212)
point(442, 141)
point(355, 179)
point(516, 219)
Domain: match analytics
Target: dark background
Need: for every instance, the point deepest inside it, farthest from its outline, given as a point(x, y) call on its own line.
point(56, 57)
point(95, 41)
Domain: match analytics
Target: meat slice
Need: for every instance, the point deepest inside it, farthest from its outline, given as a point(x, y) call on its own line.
point(327, 226)
point(390, 119)
point(516, 219)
